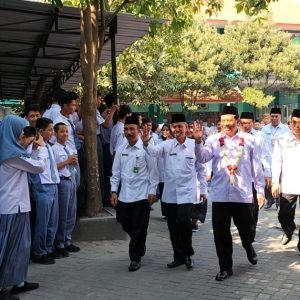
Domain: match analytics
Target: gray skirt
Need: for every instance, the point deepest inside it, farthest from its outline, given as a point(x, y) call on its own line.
point(15, 244)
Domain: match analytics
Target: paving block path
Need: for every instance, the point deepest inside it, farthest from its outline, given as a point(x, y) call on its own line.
point(99, 270)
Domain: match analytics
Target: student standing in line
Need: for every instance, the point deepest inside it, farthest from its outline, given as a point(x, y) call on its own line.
point(15, 237)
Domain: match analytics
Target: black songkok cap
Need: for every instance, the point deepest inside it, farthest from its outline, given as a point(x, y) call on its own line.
point(230, 110)
point(247, 115)
point(296, 113)
point(132, 120)
point(275, 110)
point(178, 118)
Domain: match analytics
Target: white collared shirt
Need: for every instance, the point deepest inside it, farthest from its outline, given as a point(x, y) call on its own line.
point(60, 155)
point(179, 170)
point(249, 168)
point(136, 170)
point(71, 141)
point(45, 176)
point(286, 163)
point(52, 112)
point(14, 190)
point(99, 120)
point(116, 137)
point(271, 133)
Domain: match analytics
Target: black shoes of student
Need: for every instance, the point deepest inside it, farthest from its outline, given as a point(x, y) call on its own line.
point(72, 248)
point(269, 204)
point(6, 295)
point(189, 263)
point(62, 252)
point(134, 266)
point(43, 260)
point(298, 246)
point(251, 255)
point(174, 264)
point(223, 275)
point(28, 286)
point(285, 239)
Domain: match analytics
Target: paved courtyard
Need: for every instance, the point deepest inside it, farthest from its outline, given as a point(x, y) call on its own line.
point(99, 270)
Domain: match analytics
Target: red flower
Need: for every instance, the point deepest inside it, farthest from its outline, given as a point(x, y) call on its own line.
point(242, 142)
point(221, 141)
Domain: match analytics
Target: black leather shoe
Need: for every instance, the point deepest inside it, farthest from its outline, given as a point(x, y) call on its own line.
point(189, 263)
point(5, 295)
point(174, 264)
point(269, 204)
point(298, 246)
point(43, 260)
point(72, 248)
point(223, 275)
point(285, 239)
point(251, 255)
point(28, 286)
point(62, 252)
point(134, 266)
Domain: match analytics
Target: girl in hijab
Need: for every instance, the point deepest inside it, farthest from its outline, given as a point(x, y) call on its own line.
point(15, 239)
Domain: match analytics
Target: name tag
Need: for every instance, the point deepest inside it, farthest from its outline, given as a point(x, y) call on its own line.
point(124, 154)
point(189, 157)
point(172, 154)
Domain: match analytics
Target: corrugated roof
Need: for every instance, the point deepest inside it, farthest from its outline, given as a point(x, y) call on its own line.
point(38, 40)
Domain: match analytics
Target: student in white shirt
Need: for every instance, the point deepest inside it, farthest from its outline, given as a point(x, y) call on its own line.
point(15, 238)
point(31, 114)
point(117, 132)
point(180, 188)
point(138, 175)
point(285, 182)
point(54, 110)
point(67, 200)
point(44, 189)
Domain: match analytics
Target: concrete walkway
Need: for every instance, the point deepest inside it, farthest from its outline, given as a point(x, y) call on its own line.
point(99, 270)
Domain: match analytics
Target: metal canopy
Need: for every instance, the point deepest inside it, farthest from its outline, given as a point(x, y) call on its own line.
point(39, 42)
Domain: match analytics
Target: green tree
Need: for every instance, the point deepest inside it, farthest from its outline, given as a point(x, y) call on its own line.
point(265, 57)
point(92, 41)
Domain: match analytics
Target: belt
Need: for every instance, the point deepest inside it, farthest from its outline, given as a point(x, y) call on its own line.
point(65, 178)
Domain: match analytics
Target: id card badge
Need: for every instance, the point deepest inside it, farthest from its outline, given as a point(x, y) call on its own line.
point(273, 142)
point(136, 169)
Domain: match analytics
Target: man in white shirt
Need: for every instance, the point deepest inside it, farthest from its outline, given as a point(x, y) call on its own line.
point(180, 188)
point(285, 183)
point(247, 125)
point(271, 131)
point(117, 132)
point(31, 114)
point(235, 161)
point(54, 110)
point(137, 173)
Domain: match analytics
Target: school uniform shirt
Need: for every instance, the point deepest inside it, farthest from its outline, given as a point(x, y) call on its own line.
point(271, 133)
point(286, 163)
point(116, 137)
point(60, 155)
point(52, 112)
point(14, 190)
point(100, 120)
point(50, 174)
point(249, 166)
point(263, 151)
point(136, 170)
point(71, 127)
point(179, 170)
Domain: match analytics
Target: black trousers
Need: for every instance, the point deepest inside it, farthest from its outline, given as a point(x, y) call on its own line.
point(134, 218)
point(255, 208)
point(242, 215)
point(180, 229)
point(286, 214)
point(162, 204)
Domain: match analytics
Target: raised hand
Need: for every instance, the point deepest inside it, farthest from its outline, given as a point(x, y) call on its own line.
point(145, 135)
point(198, 131)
